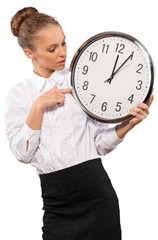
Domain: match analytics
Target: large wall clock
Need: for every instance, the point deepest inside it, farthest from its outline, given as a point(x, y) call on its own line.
point(110, 73)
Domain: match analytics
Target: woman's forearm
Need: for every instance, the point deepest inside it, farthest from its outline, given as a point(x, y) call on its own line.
point(34, 118)
point(122, 129)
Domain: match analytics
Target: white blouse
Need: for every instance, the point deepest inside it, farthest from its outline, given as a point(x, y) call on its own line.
point(67, 136)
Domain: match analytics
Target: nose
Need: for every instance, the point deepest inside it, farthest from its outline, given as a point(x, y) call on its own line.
point(62, 51)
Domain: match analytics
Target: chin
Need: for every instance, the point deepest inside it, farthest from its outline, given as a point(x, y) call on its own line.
point(60, 67)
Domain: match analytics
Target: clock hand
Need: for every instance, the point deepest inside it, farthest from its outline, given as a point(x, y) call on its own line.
point(130, 57)
point(119, 69)
point(112, 74)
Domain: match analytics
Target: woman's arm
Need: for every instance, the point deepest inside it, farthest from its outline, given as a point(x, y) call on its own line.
point(23, 129)
point(17, 131)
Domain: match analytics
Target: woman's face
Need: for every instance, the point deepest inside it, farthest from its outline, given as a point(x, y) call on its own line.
point(50, 50)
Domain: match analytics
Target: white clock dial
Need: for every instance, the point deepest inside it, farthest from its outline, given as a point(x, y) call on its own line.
point(110, 74)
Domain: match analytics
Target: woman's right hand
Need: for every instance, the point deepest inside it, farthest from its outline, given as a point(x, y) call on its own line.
point(48, 99)
point(52, 97)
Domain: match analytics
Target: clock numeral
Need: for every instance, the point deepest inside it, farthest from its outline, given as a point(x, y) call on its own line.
point(104, 106)
point(93, 56)
point(139, 86)
point(140, 66)
point(85, 69)
point(93, 96)
point(105, 48)
point(118, 107)
point(85, 85)
point(130, 99)
point(120, 48)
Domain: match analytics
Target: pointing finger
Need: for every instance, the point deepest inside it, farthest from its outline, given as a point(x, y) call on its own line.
point(66, 90)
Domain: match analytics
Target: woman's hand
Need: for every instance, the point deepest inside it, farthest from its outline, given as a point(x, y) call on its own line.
point(139, 113)
point(49, 99)
point(52, 98)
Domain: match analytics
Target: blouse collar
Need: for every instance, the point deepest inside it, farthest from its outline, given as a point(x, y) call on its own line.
point(57, 77)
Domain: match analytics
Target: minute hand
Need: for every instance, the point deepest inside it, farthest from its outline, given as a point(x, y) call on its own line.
point(130, 57)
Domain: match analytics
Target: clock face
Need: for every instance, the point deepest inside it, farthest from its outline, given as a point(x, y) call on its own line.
point(111, 73)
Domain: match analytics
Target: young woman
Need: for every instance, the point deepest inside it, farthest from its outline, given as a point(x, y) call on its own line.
point(46, 128)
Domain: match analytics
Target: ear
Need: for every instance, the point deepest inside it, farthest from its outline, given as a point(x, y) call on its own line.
point(28, 53)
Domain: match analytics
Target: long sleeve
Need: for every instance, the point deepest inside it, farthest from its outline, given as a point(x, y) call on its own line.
point(23, 141)
point(106, 140)
point(67, 136)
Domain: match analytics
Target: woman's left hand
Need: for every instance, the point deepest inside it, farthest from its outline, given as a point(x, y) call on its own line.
point(140, 112)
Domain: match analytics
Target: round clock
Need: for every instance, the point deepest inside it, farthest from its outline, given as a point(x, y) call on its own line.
point(110, 73)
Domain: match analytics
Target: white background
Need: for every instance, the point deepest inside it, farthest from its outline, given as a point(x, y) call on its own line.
point(132, 167)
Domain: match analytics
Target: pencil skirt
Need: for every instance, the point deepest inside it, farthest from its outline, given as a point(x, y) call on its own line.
point(80, 203)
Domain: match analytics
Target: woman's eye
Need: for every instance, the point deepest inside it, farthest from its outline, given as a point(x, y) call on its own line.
point(51, 50)
point(54, 48)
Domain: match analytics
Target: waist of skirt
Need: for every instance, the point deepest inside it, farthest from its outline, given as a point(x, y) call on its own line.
point(76, 178)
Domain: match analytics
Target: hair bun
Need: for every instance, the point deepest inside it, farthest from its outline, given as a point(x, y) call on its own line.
point(19, 17)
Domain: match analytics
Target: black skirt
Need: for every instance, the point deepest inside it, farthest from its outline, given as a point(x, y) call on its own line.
point(80, 204)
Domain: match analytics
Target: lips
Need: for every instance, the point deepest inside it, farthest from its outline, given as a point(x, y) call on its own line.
point(61, 62)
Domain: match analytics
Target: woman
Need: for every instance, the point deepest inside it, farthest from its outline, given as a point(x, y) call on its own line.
point(46, 127)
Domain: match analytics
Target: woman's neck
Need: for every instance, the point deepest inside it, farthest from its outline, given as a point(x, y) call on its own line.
point(45, 74)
